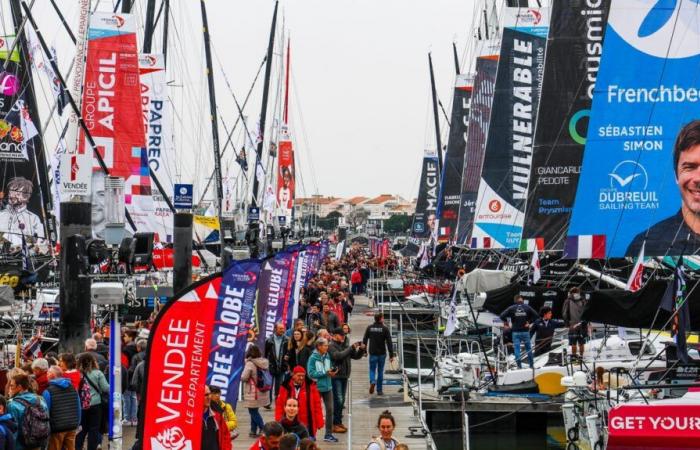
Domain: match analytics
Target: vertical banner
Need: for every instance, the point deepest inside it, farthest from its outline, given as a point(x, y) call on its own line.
point(285, 177)
point(454, 158)
point(479, 116)
point(425, 218)
point(300, 279)
point(159, 146)
point(324, 250)
point(198, 338)
point(76, 161)
point(21, 157)
point(274, 293)
point(573, 58)
point(112, 112)
point(633, 186)
point(503, 187)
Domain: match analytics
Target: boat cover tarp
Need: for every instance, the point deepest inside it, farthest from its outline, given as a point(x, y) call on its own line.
point(482, 280)
point(637, 309)
point(498, 300)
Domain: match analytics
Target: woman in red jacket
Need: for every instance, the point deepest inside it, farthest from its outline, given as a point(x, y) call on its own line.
point(306, 393)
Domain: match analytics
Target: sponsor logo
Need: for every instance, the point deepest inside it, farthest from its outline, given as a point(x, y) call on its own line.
point(118, 20)
point(74, 168)
point(530, 17)
point(2, 42)
point(628, 188)
point(655, 26)
point(171, 439)
point(9, 84)
point(574, 129)
point(183, 190)
point(627, 172)
point(151, 60)
point(494, 206)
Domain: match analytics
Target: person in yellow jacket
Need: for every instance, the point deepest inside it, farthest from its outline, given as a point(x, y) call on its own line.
point(225, 409)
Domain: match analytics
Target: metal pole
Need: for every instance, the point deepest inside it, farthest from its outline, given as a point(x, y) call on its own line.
point(150, 25)
point(348, 401)
point(436, 117)
point(212, 115)
point(466, 431)
point(115, 383)
point(454, 53)
point(420, 390)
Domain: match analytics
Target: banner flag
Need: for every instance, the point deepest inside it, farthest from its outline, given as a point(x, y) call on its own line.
point(274, 293)
point(479, 117)
point(160, 149)
point(25, 187)
point(425, 218)
point(286, 177)
point(502, 195)
point(574, 49)
point(632, 186)
point(198, 338)
point(300, 280)
point(111, 109)
point(324, 249)
point(451, 185)
point(635, 281)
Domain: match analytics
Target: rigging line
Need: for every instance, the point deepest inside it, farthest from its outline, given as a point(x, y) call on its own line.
point(63, 21)
point(444, 113)
point(303, 131)
point(238, 119)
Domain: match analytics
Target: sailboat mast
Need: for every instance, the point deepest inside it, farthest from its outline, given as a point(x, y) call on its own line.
point(166, 26)
point(456, 57)
point(150, 25)
point(286, 84)
point(435, 114)
point(213, 116)
point(126, 6)
point(263, 110)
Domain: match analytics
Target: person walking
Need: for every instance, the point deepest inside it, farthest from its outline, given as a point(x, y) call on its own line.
point(92, 420)
point(253, 398)
point(572, 312)
point(215, 433)
point(309, 400)
point(276, 354)
point(290, 419)
point(8, 427)
point(341, 355)
point(320, 370)
point(385, 441)
point(66, 361)
point(63, 403)
point(91, 347)
point(520, 317)
point(297, 350)
point(378, 337)
point(130, 389)
point(25, 402)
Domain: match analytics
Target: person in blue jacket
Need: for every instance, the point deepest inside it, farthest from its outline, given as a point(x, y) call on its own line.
point(21, 395)
point(8, 427)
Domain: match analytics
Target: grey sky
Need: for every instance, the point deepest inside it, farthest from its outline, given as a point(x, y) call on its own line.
point(360, 72)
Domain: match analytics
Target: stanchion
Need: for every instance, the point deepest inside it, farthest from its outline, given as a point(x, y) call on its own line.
point(115, 383)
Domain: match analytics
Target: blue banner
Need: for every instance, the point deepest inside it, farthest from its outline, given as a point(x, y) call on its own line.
point(301, 278)
point(324, 250)
point(274, 292)
point(647, 90)
point(232, 320)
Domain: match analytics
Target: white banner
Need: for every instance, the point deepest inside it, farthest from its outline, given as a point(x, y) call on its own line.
point(159, 144)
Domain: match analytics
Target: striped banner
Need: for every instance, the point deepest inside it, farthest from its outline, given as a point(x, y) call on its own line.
point(585, 247)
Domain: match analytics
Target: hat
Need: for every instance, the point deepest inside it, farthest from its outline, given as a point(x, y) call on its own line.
point(299, 369)
point(339, 331)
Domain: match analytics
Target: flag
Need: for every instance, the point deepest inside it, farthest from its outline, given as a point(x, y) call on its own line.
point(481, 242)
point(674, 301)
point(535, 265)
point(585, 247)
point(635, 281)
point(452, 316)
point(529, 245)
point(32, 349)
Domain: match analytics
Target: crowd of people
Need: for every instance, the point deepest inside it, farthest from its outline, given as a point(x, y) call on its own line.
point(301, 373)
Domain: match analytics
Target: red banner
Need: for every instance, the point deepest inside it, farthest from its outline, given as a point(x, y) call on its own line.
point(285, 177)
point(176, 378)
point(164, 258)
point(652, 426)
point(112, 112)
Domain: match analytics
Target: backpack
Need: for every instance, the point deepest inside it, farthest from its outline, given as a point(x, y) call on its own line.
point(34, 428)
point(263, 381)
point(84, 393)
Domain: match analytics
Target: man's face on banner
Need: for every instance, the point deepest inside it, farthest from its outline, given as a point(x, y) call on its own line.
point(689, 179)
point(431, 222)
point(18, 198)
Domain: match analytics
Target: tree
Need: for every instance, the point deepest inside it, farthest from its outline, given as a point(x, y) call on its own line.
point(397, 224)
point(330, 222)
point(357, 217)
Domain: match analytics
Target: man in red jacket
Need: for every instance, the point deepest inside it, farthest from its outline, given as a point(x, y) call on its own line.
point(306, 393)
point(272, 433)
point(215, 434)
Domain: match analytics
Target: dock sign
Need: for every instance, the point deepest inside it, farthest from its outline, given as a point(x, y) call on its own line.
point(183, 196)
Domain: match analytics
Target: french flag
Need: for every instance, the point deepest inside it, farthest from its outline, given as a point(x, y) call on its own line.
point(484, 242)
point(585, 247)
